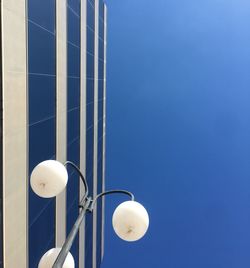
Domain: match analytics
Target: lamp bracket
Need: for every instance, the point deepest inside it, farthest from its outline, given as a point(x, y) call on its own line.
point(87, 204)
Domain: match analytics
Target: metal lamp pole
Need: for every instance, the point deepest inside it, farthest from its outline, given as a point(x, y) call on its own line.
point(87, 205)
point(130, 218)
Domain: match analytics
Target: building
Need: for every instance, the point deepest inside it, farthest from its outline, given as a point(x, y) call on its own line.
point(53, 55)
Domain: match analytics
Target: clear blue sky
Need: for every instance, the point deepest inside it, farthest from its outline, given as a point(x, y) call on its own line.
point(178, 130)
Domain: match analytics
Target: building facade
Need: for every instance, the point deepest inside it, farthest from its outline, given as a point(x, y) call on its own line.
point(53, 66)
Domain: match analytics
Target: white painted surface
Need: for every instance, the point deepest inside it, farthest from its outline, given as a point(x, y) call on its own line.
point(104, 129)
point(15, 134)
point(61, 111)
point(95, 127)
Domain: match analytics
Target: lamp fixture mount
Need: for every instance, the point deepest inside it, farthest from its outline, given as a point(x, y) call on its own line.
point(130, 219)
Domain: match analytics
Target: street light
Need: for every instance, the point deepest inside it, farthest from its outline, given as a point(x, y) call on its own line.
point(50, 256)
point(130, 218)
point(130, 221)
point(49, 178)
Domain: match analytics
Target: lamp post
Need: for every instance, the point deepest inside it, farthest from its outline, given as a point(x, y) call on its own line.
point(130, 219)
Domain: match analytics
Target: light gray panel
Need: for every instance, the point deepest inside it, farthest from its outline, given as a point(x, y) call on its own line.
point(95, 127)
point(83, 124)
point(15, 134)
point(61, 111)
point(104, 127)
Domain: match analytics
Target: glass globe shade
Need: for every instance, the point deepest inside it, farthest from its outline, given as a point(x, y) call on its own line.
point(130, 221)
point(49, 178)
point(50, 256)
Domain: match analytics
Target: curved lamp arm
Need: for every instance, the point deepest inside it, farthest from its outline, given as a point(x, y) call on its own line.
point(82, 177)
point(111, 192)
point(55, 177)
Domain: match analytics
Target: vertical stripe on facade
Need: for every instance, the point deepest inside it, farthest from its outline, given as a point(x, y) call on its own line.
point(95, 129)
point(89, 126)
point(100, 131)
point(73, 117)
point(42, 119)
point(104, 126)
point(14, 82)
point(1, 145)
point(83, 123)
point(61, 111)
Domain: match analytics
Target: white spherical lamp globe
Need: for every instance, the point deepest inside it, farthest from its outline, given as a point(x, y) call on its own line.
point(50, 256)
point(130, 221)
point(49, 178)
